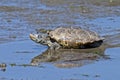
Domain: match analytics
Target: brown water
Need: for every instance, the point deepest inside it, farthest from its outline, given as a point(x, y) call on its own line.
point(20, 18)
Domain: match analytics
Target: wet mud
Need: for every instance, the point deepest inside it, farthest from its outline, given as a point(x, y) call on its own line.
point(19, 55)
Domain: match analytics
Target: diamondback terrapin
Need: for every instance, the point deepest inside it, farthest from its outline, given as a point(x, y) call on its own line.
point(68, 38)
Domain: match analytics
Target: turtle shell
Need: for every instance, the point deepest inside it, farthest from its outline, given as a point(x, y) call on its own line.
point(75, 38)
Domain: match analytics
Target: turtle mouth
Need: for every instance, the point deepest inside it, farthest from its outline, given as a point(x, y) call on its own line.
point(33, 37)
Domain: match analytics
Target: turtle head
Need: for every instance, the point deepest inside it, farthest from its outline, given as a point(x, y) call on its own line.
point(45, 40)
point(40, 38)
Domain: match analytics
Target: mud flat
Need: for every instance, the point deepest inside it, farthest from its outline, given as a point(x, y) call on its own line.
point(22, 59)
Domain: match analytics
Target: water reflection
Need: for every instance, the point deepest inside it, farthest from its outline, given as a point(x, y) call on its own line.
point(67, 58)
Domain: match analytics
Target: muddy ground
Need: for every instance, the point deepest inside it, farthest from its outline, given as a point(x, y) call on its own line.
point(20, 18)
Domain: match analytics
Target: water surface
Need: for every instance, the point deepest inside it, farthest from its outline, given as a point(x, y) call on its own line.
point(20, 18)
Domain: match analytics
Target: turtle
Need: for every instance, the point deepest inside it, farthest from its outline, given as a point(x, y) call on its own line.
point(67, 38)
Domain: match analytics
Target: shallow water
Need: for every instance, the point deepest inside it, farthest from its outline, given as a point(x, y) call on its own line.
point(18, 58)
point(20, 18)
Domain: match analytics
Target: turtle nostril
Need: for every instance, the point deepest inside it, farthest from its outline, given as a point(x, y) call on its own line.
point(39, 36)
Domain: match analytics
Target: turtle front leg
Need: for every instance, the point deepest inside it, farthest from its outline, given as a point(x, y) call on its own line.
point(54, 45)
